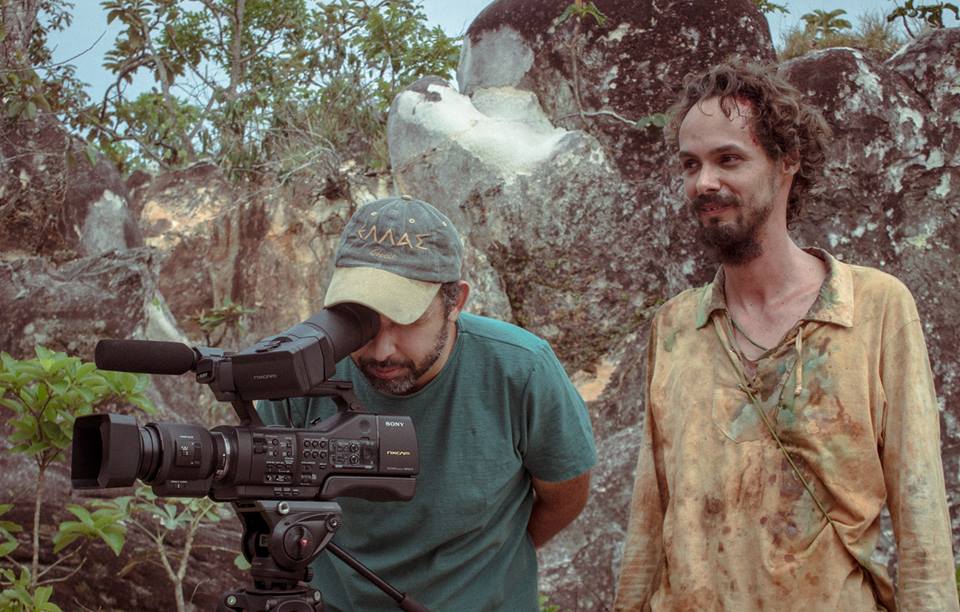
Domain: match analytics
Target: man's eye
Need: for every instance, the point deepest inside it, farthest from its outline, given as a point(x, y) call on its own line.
point(688, 164)
point(729, 159)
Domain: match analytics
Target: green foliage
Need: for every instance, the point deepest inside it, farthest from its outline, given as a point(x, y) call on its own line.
point(767, 8)
point(546, 606)
point(7, 531)
point(581, 9)
point(822, 23)
point(249, 84)
point(19, 594)
point(658, 120)
point(42, 398)
point(930, 15)
point(104, 524)
point(47, 393)
point(30, 81)
point(158, 518)
point(228, 315)
point(873, 36)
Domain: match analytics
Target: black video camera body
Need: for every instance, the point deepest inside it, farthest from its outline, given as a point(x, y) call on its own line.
point(352, 453)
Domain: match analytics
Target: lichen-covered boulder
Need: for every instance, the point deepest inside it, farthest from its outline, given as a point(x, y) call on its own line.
point(266, 248)
point(573, 210)
point(601, 73)
point(68, 307)
point(55, 200)
point(890, 199)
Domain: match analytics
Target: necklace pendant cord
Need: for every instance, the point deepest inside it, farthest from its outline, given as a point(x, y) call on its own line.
point(744, 334)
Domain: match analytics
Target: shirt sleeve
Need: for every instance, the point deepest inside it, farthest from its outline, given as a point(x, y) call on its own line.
point(643, 553)
point(913, 470)
point(559, 441)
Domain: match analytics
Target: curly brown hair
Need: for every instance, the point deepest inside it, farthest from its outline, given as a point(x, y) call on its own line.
point(781, 121)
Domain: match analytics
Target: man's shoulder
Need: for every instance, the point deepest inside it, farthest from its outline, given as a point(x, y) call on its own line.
point(875, 285)
point(682, 308)
point(499, 335)
point(875, 279)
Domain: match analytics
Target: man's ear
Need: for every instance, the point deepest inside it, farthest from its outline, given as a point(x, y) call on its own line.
point(461, 301)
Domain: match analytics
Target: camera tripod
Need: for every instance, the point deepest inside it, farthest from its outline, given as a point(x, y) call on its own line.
point(280, 539)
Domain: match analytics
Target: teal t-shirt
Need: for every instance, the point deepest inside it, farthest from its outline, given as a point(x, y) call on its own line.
point(501, 410)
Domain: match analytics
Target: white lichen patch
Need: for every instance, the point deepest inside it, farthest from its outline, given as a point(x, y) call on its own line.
point(617, 35)
point(692, 35)
point(836, 240)
point(921, 240)
point(934, 159)
point(943, 188)
point(909, 114)
point(515, 142)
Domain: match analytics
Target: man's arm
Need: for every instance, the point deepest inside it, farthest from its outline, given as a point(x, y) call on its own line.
point(913, 472)
point(643, 552)
point(556, 505)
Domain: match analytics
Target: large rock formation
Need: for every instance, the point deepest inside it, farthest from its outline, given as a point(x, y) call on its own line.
point(579, 216)
point(56, 200)
point(548, 157)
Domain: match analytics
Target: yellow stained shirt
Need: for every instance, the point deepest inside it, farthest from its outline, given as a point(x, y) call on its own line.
point(719, 519)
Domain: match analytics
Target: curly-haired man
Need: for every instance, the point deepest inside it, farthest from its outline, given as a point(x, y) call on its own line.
point(787, 400)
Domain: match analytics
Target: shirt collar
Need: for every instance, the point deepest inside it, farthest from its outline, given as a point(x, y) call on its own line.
point(833, 305)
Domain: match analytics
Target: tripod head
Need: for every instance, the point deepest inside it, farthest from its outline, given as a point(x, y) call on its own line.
point(281, 539)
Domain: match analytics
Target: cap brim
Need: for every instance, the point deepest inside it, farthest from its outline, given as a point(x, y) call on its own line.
point(400, 299)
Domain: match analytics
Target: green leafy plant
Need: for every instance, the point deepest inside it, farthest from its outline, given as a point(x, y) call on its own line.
point(30, 81)
point(767, 8)
point(822, 23)
point(930, 15)
point(547, 606)
point(249, 83)
point(158, 519)
point(226, 317)
point(581, 9)
point(873, 35)
point(42, 397)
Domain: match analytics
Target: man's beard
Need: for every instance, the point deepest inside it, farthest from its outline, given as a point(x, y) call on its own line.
point(404, 383)
point(732, 243)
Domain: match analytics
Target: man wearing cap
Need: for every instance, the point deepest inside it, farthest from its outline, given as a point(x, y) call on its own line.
point(505, 441)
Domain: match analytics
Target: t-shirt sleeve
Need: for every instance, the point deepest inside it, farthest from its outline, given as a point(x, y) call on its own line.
point(558, 442)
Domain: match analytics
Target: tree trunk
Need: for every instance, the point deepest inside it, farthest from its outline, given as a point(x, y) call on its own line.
point(18, 18)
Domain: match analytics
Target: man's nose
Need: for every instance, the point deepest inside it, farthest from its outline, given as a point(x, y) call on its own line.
point(708, 180)
point(383, 344)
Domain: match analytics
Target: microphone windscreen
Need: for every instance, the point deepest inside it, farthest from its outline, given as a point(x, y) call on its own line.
point(146, 356)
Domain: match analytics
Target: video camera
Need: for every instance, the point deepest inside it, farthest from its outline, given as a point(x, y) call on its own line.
point(352, 453)
point(278, 478)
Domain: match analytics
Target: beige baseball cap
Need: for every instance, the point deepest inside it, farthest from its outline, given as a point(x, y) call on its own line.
point(393, 256)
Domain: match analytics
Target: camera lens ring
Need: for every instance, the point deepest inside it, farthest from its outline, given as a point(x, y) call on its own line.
point(223, 450)
point(151, 453)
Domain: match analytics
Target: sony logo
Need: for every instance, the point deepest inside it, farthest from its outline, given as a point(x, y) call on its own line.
point(393, 423)
point(264, 376)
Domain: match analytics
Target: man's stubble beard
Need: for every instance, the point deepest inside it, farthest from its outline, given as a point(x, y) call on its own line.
point(407, 382)
point(735, 243)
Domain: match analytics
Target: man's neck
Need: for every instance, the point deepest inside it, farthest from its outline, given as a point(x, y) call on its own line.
point(781, 272)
